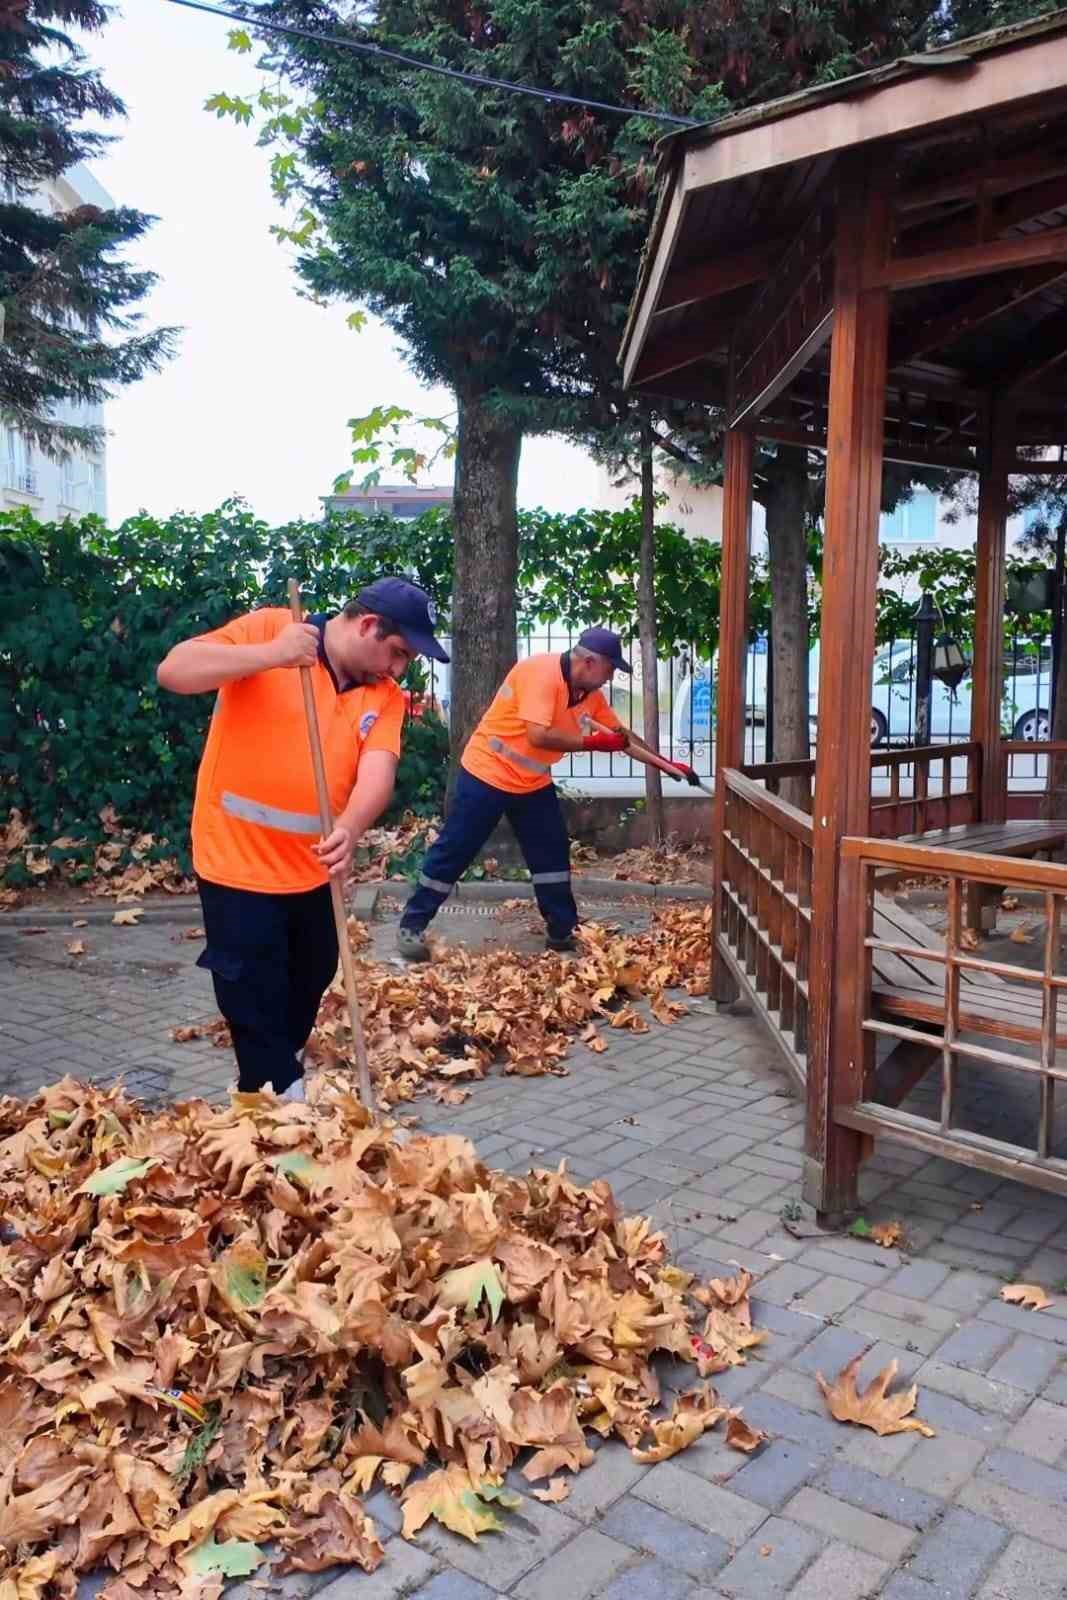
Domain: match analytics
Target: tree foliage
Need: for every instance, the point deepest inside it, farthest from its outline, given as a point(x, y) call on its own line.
point(70, 329)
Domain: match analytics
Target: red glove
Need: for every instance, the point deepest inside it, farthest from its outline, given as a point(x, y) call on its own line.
point(682, 771)
point(604, 741)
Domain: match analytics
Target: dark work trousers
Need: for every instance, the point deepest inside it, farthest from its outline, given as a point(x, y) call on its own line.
point(476, 808)
point(272, 957)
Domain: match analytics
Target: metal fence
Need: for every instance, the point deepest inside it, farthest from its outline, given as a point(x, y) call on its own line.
point(687, 707)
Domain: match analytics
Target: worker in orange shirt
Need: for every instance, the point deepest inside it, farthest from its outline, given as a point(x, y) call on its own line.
point(262, 867)
point(546, 706)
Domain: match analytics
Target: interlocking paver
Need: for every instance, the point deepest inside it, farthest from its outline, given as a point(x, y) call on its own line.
point(449, 1585)
point(650, 1580)
point(770, 1561)
point(1027, 1569)
point(883, 1497)
point(942, 1465)
point(677, 1544)
point(879, 1537)
point(672, 1490)
point(1040, 1432)
point(958, 1552)
point(840, 1573)
point(581, 1568)
point(1028, 1476)
point(972, 1388)
point(776, 1473)
point(975, 1346)
point(1027, 1363)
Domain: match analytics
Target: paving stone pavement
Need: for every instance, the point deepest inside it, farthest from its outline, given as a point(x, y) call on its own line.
point(695, 1125)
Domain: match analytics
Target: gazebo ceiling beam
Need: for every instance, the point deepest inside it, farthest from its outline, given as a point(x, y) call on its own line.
point(963, 228)
point(1051, 337)
point(971, 261)
point(682, 350)
point(1004, 176)
point(985, 306)
point(706, 280)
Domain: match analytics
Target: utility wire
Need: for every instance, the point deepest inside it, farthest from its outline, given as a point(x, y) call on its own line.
point(366, 47)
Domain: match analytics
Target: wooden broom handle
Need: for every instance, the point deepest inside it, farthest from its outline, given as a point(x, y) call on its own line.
point(337, 896)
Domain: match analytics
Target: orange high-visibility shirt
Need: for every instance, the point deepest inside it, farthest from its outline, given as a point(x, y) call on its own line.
point(499, 750)
point(256, 813)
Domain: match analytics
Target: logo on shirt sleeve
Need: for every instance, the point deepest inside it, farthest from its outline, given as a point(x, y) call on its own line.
point(366, 723)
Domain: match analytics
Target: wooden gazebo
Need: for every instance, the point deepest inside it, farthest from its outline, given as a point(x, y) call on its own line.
point(878, 268)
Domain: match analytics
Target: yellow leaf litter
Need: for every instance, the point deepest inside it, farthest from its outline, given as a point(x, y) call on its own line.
point(442, 1025)
point(222, 1327)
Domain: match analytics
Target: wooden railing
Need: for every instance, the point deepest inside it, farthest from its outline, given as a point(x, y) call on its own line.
point(947, 1006)
point(765, 928)
point(913, 803)
point(919, 809)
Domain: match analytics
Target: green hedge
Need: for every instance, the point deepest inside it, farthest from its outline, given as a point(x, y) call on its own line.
point(87, 613)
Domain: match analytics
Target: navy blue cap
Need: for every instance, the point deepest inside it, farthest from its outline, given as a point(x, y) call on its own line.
point(605, 643)
point(410, 608)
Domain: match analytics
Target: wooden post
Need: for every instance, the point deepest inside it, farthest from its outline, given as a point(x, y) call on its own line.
point(843, 757)
point(733, 639)
point(988, 671)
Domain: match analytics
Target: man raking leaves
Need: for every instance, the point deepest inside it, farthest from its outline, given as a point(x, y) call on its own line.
point(546, 706)
point(262, 866)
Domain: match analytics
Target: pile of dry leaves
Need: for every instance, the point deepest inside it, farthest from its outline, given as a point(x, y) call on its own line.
point(224, 1327)
point(119, 867)
point(665, 863)
point(450, 1020)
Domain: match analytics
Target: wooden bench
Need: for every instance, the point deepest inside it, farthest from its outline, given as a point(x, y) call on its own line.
point(1015, 838)
point(1005, 1010)
point(911, 991)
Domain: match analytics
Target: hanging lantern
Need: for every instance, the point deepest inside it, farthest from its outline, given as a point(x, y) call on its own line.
point(949, 666)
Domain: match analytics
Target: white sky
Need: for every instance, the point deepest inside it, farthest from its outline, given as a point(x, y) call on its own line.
point(256, 401)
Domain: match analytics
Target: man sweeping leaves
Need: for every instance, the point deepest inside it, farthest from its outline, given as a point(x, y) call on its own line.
point(546, 706)
point(262, 867)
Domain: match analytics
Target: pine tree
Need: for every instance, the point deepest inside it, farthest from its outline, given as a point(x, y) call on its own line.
point(70, 332)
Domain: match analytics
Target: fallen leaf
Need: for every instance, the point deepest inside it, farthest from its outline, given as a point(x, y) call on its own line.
point(741, 1435)
point(113, 1179)
point(969, 939)
point(558, 1489)
point(691, 1415)
point(457, 1501)
point(874, 1408)
point(1025, 1294)
point(80, 922)
point(76, 947)
point(468, 1286)
point(234, 1558)
point(887, 1234)
point(766, 1549)
point(129, 917)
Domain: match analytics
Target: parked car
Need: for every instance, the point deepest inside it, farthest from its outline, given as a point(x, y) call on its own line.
point(1024, 705)
point(1024, 708)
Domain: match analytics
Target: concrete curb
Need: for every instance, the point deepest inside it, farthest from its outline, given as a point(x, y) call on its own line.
point(362, 903)
point(520, 889)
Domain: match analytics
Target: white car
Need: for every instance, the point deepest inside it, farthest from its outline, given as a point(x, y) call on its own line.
point(1024, 709)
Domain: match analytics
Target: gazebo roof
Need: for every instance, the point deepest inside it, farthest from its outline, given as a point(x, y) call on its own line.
point(973, 140)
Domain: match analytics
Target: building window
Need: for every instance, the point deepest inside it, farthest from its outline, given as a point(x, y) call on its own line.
point(21, 473)
point(70, 475)
point(913, 522)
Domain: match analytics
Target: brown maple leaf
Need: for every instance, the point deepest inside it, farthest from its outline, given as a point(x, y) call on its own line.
point(1030, 1295)
point(691, 1415)
point(875, 1408)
